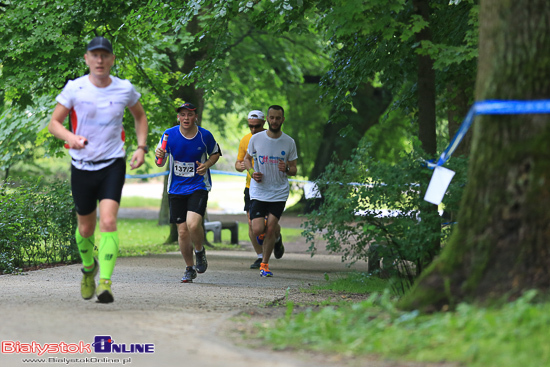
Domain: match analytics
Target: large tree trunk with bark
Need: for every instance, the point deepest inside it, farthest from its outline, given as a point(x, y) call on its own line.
point(501, 246)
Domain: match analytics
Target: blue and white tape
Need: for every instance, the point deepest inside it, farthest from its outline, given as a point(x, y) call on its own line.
point(490, 108)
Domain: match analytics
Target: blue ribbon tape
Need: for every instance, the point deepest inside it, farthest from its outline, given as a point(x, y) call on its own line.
point(490, 108)
point(212, 171)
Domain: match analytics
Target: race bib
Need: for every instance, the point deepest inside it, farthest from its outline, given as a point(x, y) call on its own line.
point(184, 169)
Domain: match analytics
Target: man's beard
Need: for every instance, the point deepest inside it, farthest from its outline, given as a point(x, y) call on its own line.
point(274, 130)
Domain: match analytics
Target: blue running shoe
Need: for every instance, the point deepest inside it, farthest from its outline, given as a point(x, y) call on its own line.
point(264, 271)
point(189, 275)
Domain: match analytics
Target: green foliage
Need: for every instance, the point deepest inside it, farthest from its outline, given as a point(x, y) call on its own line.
point(375, 211)
point(20, 131)
point(37, 225)
point(514, 335)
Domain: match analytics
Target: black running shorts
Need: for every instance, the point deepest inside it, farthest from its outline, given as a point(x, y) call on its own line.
point(260, 209)
point(181, 204)
point(90, 186)
point(246, 199)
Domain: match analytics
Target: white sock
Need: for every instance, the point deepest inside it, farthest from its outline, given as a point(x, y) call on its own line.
point(260, 256)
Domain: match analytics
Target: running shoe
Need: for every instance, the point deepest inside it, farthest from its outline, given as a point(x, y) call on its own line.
point(87, 285)
point(104, 293)
point(202, 264)
point(260, 239)
point(189, 275)
point(264, 271)
point(256, 264)
point(279, 249)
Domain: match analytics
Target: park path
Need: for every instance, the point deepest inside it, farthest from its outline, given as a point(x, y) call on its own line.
point(187, 323)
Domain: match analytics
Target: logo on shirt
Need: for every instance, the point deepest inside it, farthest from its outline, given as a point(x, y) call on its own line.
point(283, 153)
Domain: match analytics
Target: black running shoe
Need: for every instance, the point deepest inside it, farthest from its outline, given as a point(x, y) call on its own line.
point(202, 264)
point(256, 264)
point(279, 249)
point(189, 275)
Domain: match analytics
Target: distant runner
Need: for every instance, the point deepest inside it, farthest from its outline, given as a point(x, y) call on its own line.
point(192, 151)
point(271, 157)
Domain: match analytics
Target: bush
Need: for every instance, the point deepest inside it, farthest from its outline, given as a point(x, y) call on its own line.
point(375, 210)
point(37, 225)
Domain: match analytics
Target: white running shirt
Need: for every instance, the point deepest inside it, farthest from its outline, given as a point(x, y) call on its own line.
point(96, 114)
point(268, 151)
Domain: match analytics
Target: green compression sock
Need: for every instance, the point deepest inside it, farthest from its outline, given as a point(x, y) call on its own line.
point(85, 248)
point(108, 251)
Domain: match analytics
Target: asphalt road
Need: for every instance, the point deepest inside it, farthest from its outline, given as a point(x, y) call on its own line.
point(185, 324)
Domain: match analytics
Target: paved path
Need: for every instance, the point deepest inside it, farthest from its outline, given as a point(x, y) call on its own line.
point(183, 321)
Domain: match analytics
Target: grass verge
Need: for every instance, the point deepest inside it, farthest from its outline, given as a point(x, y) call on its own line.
point(514, 334)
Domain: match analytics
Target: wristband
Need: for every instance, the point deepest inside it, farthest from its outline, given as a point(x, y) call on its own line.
point(251, 171)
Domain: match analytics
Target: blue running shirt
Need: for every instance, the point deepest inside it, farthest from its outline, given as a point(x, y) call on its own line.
point(184, 153)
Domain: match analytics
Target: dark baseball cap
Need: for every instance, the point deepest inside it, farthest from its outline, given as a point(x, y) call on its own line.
point(187, 106)
point(100, 43)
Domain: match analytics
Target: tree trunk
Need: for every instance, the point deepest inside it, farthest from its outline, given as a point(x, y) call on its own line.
point(426, 113)
point(370, 103)
point(459, 104)
point(426, 86)
point(501, 246)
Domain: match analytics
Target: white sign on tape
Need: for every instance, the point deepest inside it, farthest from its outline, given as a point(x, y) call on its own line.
point(438, 185)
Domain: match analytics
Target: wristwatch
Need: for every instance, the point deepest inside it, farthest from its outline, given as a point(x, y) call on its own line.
point(287, 169)
point(144, 147)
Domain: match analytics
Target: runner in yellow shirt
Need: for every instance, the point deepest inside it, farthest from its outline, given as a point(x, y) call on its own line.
point(256, 121)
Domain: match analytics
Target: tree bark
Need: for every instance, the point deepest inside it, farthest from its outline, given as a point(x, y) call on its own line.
point(426, 86)
point(459, 92)
point(501, 246)
point(426, 113)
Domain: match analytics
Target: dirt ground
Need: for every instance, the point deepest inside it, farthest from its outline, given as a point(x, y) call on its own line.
point(198, 324)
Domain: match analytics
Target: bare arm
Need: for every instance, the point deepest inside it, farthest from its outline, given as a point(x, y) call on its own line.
point(239, 165)
point(57, 129)
point(142, 127)
point(248, 165)
point(292, 168)
point(203, 167)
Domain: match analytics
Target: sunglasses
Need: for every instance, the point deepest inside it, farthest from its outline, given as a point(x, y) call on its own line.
point(255, 126)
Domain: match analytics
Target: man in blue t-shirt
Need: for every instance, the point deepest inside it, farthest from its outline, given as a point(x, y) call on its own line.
point(192, 151)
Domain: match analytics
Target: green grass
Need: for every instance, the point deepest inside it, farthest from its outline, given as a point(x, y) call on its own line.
point(513, 335)
point(139, 202)
point(143, 236)
point(356, 282)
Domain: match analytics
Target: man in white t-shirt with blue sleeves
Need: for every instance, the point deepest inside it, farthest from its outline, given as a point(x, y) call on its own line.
point(271, 157)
